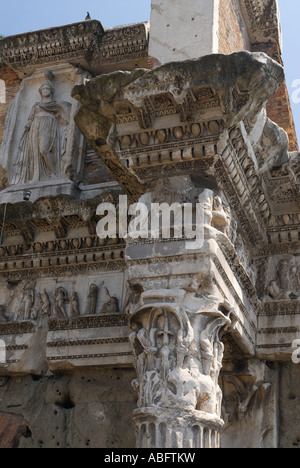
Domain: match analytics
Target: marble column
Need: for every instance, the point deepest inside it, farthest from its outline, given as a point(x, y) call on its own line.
point(177, 316)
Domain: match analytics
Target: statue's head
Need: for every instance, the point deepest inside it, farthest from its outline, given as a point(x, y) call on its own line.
point(46, 89)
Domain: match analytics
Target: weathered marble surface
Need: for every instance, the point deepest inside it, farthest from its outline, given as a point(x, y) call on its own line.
point(181, 31)
point(199, 327)
point(46, 324)
point(85, 409)
point(158, 129)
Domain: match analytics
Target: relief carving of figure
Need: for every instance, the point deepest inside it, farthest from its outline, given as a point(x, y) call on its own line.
point(45, 304)
point(27, 302)
point(92, 299)
point(294, 278)
point(286, 286)
point(111, 306)
point(276, 293)
point(75, 305)
point(60, 299)
point(44, 140)
point(283, 274)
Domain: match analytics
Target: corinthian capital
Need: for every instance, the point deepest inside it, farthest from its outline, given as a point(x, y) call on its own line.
point(178, 358)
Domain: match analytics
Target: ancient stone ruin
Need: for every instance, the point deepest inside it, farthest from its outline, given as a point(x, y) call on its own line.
point(139, 340)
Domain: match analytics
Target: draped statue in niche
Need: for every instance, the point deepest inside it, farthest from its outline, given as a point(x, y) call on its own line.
point(43, 143)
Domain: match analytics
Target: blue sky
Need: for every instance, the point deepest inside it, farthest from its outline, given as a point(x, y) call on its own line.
point(28, 15)
point(290, 14)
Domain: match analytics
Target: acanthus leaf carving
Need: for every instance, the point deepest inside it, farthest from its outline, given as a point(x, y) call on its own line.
point(179, 357)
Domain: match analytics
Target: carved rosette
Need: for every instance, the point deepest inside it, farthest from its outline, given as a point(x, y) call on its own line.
point(178, 358)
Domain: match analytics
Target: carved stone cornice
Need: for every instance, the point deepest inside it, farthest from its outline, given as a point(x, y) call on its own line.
point(74, 43)
point(288, 248)
point(184, 119)
point(86, 44)
point(56, 267)
point(122, 48)
point(263, 20)
point(61, 254)
point(57, 215)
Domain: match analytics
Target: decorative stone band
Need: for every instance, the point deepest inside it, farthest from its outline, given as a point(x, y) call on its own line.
point(58, 264)
point(88, 321)
point(63, 44)
point(278, 327)
point(86, 43)
point(262, 17)
point(103, 340)
point(17, 328)
point(162, 123)
point(122, 45)
point(88, 356)
point(165, 428)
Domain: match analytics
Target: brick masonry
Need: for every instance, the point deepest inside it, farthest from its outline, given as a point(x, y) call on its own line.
point(233, 34)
